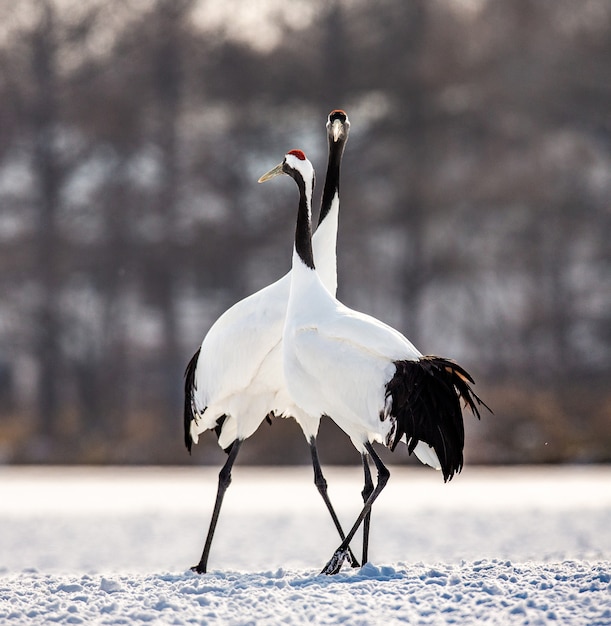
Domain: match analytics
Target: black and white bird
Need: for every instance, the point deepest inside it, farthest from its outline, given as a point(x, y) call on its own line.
point(235, 380)
point(365, 375)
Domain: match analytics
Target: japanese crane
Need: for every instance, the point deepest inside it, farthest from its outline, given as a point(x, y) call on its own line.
point(365, 375)
point(235, 379)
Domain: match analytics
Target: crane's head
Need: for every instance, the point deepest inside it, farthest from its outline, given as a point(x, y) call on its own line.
point(295, 165)
point(338, 126)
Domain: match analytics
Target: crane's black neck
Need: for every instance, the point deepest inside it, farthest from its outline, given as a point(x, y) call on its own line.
point(303, 230)
point(336, 151)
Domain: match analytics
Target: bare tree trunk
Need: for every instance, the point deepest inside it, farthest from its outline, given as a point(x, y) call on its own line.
point(411, 211)
point(168, 87)
point(48, 179)
point(335, 66)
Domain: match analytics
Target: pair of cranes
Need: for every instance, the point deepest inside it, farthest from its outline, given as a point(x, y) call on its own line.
point(293, 350)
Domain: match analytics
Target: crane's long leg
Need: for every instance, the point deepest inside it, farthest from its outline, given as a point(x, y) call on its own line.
point(366, 493)
point(339, 556)
point(224, 482)
point(321, 485)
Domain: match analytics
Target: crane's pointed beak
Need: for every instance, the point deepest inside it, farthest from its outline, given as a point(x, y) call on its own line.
point(337, 130)
point(276, 171)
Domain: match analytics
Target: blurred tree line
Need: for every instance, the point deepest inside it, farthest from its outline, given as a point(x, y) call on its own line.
point(475, 207)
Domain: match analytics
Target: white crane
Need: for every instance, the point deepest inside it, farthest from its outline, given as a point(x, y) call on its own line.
point(365, 375)
point(235, 380)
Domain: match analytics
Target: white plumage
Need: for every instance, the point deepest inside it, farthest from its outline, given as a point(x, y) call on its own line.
point(362, 373)
point(236, 379)
point(353, 350)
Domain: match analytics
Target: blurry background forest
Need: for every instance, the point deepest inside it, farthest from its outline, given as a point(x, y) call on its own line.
point(476, 213)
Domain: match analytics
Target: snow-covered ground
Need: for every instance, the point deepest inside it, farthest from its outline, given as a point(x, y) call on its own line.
point(494, 546)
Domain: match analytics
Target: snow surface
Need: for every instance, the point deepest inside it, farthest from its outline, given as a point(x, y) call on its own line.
point(494, 546)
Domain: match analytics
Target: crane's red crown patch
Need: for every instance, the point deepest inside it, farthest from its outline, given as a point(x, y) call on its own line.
point(299, 154)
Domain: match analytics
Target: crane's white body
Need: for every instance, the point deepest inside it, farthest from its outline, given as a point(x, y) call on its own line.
point(239, 371)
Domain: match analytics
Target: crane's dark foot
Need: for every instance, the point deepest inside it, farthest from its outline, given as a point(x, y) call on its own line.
point(199, 569)
point(336, 562)
point(352, 559)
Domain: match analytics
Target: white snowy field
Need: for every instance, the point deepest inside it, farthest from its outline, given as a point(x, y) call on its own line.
point(494, 546)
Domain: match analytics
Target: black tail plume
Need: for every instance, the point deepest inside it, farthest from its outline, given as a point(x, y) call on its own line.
point(189, 389)
point(426, 396)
